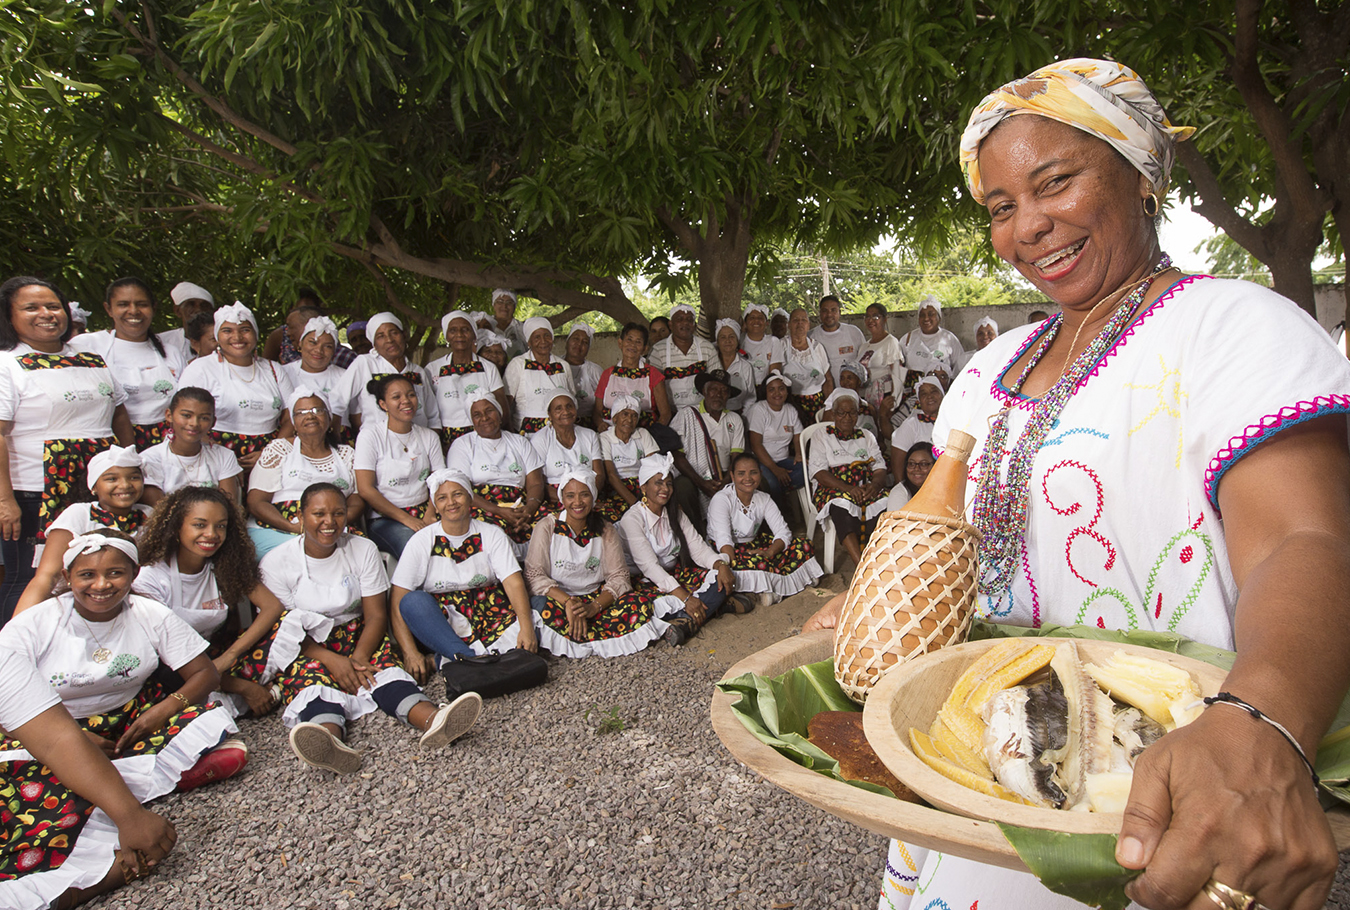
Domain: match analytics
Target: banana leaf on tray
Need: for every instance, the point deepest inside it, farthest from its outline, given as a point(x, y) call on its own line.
point(1081, 866)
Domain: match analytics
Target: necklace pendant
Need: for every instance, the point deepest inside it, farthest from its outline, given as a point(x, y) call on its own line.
point(101, 655)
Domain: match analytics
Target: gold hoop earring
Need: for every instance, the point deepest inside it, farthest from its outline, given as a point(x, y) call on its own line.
point(1151, 205)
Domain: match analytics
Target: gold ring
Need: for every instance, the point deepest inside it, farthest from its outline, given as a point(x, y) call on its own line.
point(1229, 898)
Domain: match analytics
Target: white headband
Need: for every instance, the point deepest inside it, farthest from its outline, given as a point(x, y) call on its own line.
point(582, 327)
point(504, 292)
point(451, 317)
point(386, 318)
point(777, 374)
point(583, 476)
point(929, 380)
point(781, 312)
point(92, 543)
point(79, 313)
point(306, 392)
point(840, 394)
point(682, 306)
point(481, 394)
point(111, 457)
point(625, 403)
point(560, 392)
point(655, 466)
point(186, 290)
point(236, 313)
point(320, 326)
point(727, 324)
point(930, 301)
point(487, 338)
point(989, 322)
point(755, 308)
point(437, 479)
point(534, 324)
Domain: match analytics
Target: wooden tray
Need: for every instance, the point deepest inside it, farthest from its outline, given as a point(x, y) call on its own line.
point(910, 694)
point(910, 822)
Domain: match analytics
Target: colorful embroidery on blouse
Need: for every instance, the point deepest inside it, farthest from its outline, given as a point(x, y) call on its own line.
point(471, 546)
point(552, 368)
point(39, 361)
point(128, 524)
point(1177, 557)
point(461, 369)
point(1167, 390)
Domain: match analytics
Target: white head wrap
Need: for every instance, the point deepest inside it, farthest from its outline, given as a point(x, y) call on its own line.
point(582, 327)
point(186, 290)
point(679, 307)
point(534, 324)
point(781, 312)
point(755, 308)
point(727, 324)
point(481, 394)
point(582, 475)
point(320, 326)
point(437, 479)
point(306, 392)
point(838, 395)
point(989, 322)
point(484, 320)
point(92, 543)
point(374, 322)
point(655, 466)
point(930, 301)
point(625, 403)
point(929, 380)
point(78, 313)
point(236, 313)
point(856, 368)
point(499, 292)
point(111, 457)
point(451, 317)
point(778, 374)
point(487, 338)
point(561, 392)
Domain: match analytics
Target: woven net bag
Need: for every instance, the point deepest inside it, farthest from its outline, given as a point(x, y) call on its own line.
point(914, 592)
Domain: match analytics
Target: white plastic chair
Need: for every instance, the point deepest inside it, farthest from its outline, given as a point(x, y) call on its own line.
point(808, 508)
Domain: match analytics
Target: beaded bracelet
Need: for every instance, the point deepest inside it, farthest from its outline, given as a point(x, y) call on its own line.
point(1228, 698)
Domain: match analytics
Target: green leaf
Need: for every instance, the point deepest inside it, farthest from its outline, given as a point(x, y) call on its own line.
point(1079, 866)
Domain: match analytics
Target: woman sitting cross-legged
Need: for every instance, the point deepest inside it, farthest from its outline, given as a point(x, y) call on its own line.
point(111, 849)
point(114, 477)
point(458, 586)
point(506, 471)
point(199, 562)
point(848, 474)
point(394, 458)
point(100, 645)
point(692, 579)
point(579, 580)
point(338, 664)
point(288, 466)
point(746, 526)
point(622, 448)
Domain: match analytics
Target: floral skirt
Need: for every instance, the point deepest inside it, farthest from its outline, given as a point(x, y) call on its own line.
point(611, 506)
point(145, 435)
point(786, 574)
point(488, 611)
point(858, 475)
point(450, 434)
point(808, 405)
point(500, 493)
point(625, 627)
point(240, 444)
point(65, 465)
point(530, 425)
point(306, 672)
point(41, 819)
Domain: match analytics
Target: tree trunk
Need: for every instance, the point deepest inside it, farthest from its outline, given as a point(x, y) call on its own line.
point(1293, 278)
point(721, 251)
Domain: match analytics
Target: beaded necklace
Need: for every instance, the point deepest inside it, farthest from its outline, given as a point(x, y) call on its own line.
point(999, 510)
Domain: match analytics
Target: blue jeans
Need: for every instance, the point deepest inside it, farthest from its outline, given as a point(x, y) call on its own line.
point(389, 535)
point(18, 554)
point(772, 486)
point(429, 625)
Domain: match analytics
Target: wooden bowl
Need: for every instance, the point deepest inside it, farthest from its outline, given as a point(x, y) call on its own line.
point(911, 694)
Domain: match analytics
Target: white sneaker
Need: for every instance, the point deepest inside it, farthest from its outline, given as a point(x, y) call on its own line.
point(768, 598)
point(315, 746)
point(452, 721)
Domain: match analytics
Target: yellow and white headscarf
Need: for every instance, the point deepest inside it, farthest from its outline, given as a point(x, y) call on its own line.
point(1099, 97)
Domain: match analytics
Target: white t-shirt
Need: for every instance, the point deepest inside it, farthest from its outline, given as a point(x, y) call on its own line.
point(249, 400)
point(71, 395)
point(844, 343)
point(806, 369)
point(78, 518)
point(178, 340)
point(558, 460)
point(23, 693)
point(358, 402)
point(506, 460)
point(329, 382)
point(401, 462)
point(61, 644)
point(585, 379)
point(455, 382)
point(730, 523)
point(776, 427)
point(147, 377)
point(418, 569)
point(533, 389)
point(627, 456)
point(762, 354)
point(284, 471)
point(938, 351)
point(170, 472)
point(911, 432)
point(332, 586)
point(742, 376)
point(194, 598)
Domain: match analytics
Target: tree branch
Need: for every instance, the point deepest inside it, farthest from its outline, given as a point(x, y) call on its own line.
point(1215, 207)
point(240, 161)
point(683, 231)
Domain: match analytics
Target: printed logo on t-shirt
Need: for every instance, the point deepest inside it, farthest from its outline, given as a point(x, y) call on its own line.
point(846, 349)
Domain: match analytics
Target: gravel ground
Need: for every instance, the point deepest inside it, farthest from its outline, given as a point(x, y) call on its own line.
point(537, 807)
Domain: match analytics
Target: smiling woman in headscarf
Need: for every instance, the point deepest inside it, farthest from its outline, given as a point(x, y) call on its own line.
point(929, 350)
point(1149, 379)
point(533, 378)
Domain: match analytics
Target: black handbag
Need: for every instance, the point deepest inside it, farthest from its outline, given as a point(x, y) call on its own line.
point(492, 675)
